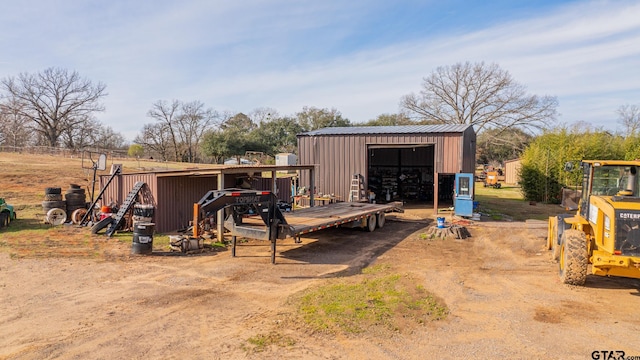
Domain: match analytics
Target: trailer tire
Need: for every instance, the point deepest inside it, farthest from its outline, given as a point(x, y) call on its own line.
point(380, 220)
point(574, 257)
point(101, 224)
point(371, 222)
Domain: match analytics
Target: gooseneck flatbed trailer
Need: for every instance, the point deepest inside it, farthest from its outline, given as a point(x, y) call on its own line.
point(271, 224)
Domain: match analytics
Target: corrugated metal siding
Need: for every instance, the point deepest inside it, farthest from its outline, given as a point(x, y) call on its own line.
point(122, 184)
point(176, 196)
point(340, 156)
point(283, 185)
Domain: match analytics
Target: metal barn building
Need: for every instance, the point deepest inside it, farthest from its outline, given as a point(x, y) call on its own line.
point(416, 162)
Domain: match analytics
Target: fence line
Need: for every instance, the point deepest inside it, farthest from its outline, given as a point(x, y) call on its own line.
point(54, 151)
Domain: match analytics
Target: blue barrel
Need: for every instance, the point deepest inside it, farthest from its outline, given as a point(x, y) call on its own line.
point(440, 222)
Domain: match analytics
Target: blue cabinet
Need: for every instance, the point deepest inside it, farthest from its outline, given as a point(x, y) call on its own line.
point(463, 195)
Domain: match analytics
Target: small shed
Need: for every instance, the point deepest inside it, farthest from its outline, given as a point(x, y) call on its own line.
point(409, 163)
point(512, 171)
point(173, 192)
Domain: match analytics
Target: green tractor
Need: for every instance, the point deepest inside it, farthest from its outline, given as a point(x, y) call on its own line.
point(6, 213)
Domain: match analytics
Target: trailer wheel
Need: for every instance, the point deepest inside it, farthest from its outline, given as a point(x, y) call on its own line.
point(574, 257)
point(77, 215)
point(371, 222)
point(380, 220)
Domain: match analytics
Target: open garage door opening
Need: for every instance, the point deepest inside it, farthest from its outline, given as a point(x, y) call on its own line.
point(401, 173)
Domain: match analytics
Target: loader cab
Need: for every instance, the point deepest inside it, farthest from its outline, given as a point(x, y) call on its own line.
point(617, 180)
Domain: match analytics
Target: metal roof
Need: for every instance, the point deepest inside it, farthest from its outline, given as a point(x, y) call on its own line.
point(217, 169)
point(405, 129)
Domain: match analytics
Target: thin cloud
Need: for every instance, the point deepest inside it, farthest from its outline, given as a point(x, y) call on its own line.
point(239, 56)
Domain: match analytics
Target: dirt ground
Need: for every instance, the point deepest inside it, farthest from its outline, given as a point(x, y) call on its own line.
point(502, 290)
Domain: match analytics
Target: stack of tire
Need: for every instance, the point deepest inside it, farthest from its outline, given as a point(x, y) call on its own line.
point(76, 199)
point(54, 207)
point(142, 213)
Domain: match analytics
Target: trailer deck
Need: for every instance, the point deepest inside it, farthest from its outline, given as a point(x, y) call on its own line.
point(271, 224)
point(317, 218)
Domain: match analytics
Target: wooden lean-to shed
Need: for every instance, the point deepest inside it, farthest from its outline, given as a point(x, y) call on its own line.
point(415, 163)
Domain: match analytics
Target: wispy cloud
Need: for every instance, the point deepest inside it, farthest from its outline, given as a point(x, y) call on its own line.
point(288, 54)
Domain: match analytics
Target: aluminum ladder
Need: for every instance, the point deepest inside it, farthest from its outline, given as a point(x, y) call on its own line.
point(355, 192)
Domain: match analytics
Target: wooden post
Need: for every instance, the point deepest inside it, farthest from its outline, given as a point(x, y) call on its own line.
point(220, 215)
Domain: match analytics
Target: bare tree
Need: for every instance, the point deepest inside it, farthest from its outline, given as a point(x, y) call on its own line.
point(481, 95)
point(14, 128)
point(167, 115)
point(106, 138)
point(81, 135)
point(192, 123)
point(54, 100)
point(629, 118)
point(156, 139)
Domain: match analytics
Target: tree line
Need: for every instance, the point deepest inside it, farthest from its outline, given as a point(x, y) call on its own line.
point(58, 108)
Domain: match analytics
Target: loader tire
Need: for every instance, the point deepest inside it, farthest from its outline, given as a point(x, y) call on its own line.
point(574, 257)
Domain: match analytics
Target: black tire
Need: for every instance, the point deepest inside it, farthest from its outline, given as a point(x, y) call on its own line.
point(76, 191)
point(3, 219)
point(371, 223)
point(380, 220)
point(574, 257)
point(102, 224)
point(48, 205)
point(53, 190)
point(52, 197)
point(74, 186)
point(75, 198)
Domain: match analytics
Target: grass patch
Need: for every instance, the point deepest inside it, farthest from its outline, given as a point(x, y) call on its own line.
point(261, 342)
point(508, 204)
point(374, 300)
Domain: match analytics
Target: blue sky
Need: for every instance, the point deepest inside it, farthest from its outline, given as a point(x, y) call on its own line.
point(359, 57)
